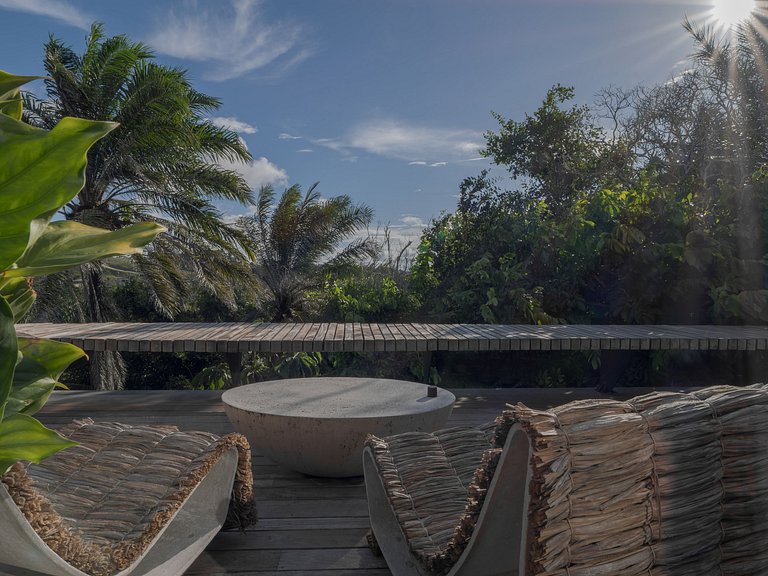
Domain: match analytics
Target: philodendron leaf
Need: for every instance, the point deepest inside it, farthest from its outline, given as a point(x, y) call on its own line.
point(10, 96)
point(37, 374)
point(54, 356)
point(65, 244)
point(11, 82)
point(19, 295)
point(10, 104)
point(24, 438)
point(27, 398)
point(9, 352)
point(40, 171)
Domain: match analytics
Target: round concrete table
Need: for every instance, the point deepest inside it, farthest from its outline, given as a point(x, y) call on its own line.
point(318, 425)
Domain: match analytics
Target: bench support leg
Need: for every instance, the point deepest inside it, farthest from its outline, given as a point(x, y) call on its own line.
point(426, 363)
point(235, 361)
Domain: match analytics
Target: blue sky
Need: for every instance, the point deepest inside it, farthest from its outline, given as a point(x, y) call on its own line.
point(384, 100)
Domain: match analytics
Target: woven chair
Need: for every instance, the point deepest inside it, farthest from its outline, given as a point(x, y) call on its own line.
point(664, 484)
point(139, 500)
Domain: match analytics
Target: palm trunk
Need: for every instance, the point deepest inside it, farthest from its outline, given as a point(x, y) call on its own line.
point(107, 369)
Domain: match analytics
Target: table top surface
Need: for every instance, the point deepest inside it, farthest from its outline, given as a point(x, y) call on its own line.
point(331, 397)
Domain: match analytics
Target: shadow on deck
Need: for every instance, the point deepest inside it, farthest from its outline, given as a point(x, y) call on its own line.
point(313, 526)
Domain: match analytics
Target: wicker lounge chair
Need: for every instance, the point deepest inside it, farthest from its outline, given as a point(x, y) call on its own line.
point(136, 500)
point(665, 484)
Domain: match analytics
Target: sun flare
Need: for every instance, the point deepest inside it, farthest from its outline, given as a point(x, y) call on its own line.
point(730, 12)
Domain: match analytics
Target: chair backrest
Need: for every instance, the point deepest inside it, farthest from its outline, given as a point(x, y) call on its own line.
point(122, 501)
point(673, 482)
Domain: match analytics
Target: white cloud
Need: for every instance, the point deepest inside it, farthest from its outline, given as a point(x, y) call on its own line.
point(286, 136)
point(412, 221)
point(438, 164)
point(234, 37)
point(402, 141)
point(305, 151)
point(232, 123)
point(52, 8)
point(259, 173)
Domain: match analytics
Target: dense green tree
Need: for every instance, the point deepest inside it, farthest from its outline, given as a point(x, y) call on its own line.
point(298, 240)
point(557, 152)
point(655, 214)
point(162, 164)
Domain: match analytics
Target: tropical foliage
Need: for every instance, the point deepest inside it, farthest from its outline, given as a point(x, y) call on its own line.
point(368, 297)
point(298, 239)
point(165, 163)
point(650, 207)
point(40, 171)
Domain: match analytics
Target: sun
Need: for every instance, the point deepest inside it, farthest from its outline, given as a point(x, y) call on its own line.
point(728, 13)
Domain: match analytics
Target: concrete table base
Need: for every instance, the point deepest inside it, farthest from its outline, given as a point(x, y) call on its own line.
point(318, 425)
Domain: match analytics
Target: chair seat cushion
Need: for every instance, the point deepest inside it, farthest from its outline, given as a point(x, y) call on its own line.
point(100, 504)
point(436, 483)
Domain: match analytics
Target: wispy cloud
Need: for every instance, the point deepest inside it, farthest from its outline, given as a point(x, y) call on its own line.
point(59, 10)
point(305, 151)
point(233, 36)
point(286, 136)
point(418, 145)
point(232, 123)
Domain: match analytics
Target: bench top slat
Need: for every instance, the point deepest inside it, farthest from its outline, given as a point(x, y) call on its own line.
point(285, 337)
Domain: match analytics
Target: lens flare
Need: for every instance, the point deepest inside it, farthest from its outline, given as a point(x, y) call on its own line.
point(730, 12)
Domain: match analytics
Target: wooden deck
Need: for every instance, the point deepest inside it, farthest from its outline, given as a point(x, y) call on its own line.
point(231, 337)
point(307, 526)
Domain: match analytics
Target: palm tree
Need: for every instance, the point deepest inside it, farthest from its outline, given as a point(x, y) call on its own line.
point(162, 164)
point(299, 240)
point(736, 67)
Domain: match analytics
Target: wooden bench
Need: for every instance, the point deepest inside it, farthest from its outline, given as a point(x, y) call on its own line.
point(234, 338)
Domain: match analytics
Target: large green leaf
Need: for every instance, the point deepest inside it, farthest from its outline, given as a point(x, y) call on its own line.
point(24, 438)
point(54, 356)
point(38, 373)
point(9, 352)
point(40, 171)
point(10, 96)
point(11, 82)
point(19, 295)
point(29, 397)
point(10, 104)
point(65, 244)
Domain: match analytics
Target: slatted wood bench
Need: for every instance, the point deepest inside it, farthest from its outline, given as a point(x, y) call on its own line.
point(234, 338)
